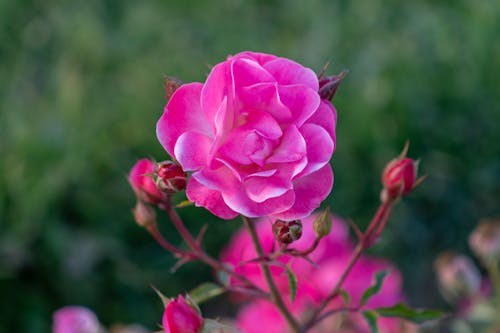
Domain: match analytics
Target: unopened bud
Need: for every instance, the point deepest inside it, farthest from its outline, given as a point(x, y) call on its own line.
point(181, 317)
point(323, 223)
point(287, 232)
point(399, 177)
point(141, 180)
point(485, 240)
point(171, 85)
point(144, 214)
point(457, 275)
point(170, 177)
point(328, 85)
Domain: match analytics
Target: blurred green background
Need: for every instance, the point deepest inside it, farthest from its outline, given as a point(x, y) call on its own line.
point(81, 88)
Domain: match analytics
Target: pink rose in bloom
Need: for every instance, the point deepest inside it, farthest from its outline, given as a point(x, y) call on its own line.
point(75, 319)
point(141, 180)
point(256, 136)
point(180, 317)
point(314, 282)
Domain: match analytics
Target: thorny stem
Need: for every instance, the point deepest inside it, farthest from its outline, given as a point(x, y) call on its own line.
point(369, 237)
point(196, 252)
point(276, 296)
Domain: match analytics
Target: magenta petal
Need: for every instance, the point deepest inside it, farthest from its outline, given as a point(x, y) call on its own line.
point(287, 72)
point(219, 178)
point(191, 150)
point(301, 101)
point(265, 97)
point(262, 122)
point(319, 147)
point(246, 72)
point(239, 201)
point(210, 199)
point(310, 191)
point(183, 113)
point(216, 88)
point(292, 147)
point(326, 117)
point(260, 189)
point(261, 58)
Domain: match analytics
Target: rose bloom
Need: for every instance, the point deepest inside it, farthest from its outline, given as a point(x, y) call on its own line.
point(314, 282)
point(75, 319)
point(256, 136)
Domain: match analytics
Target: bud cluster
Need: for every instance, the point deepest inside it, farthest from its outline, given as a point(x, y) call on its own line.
point(287, 232)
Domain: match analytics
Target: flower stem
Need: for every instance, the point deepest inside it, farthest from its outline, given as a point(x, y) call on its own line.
point(276, 296)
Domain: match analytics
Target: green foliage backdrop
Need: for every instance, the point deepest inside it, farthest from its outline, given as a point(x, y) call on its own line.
point(81, 88)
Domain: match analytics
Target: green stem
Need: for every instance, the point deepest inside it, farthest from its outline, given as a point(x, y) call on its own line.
point(276, 296)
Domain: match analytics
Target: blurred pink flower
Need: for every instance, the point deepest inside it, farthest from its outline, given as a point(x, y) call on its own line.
point(256, 135)
point(141, 180)
point(180, 317)
point(314, 282)
point(75, 319)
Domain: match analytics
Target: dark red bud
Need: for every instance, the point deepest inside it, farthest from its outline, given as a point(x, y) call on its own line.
point(399, 177)
point(170, 177)
point(328, 85)
point(287, 232)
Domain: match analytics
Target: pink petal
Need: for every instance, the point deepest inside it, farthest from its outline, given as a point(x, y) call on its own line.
point(246, 72)
point(301, 101)
point(287, 72)
point(220, 178)
point(264, 97)
point(217, 87)
point(261, 58)
point(319, 147)
point(310, 191)
point(210, 199)
point(246, 147)
point(260, 189)
point(182, 113)
point(292, 147)
point(262, 122)
point(191, 150)
point(326, 117)
point(239, 201)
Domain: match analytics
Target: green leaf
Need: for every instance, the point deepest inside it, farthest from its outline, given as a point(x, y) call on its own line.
point(345, 296)
point(414, 315)
point(371, 319)
point(375, 288)
point(292, 283)
point(206, 291)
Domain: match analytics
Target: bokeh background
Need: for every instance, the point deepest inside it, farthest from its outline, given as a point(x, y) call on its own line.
point(82, 86)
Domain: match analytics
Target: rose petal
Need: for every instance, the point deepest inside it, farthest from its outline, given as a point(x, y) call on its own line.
point(287, 72)
point(262, 188)
point(326, 117)
point(246, 72)
point(182, 113)
point(319, 147)
point(264, 97)
point(292, 147)
point(239, 201)
point(301, 102)
point(216, 88)
point(261, 58)
point(210, 199)
point(310, 191)
point(191, 150)
point(218, 178)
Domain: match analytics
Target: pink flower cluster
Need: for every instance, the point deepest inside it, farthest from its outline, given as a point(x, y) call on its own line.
point(257, 137)
point(314, 281)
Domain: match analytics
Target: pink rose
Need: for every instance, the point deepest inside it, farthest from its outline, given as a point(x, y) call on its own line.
point(141, 180)
point(314, 281)
point(180, 317)
point(256, 136)
point(75, 319)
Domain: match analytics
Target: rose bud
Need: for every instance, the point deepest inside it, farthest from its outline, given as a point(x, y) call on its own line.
point(485, 240)
point(328, 85)
point(141, 180)
point(399, 177)
point(181, 317)
point(323, 224)
point(170, 177)
point(457, 275)
point(75, 319)
point(144, 214)
point(287, 232)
